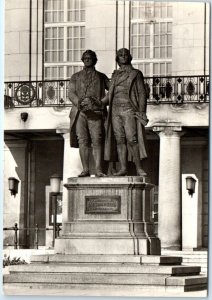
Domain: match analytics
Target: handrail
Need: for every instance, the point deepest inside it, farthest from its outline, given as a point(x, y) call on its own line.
point(36, 229)
point(160, 90)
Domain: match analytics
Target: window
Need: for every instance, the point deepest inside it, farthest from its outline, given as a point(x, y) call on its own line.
point(76, 10)
point(54, 11)
point(140, 40)
point(54, 41)
point(163, 68)
point(64, 34)
point(75, 42)
point(144, 67)
point(151, 37)
point(162, 40)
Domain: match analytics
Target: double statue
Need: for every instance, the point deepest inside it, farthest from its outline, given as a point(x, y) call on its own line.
point(118, 130)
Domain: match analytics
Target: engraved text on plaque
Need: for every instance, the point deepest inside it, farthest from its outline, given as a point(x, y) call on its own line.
point(102, 204)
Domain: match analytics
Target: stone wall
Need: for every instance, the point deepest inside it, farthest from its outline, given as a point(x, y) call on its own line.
point(18, 61)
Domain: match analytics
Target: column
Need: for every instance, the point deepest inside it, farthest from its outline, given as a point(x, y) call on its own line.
point(72, 167)
point(169, 202)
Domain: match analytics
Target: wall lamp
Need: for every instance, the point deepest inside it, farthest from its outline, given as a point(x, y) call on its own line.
point(55, 181)
point(190, 185)
point(24, 116)
point(13, 185)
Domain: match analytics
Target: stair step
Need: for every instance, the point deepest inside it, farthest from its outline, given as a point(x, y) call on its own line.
point(101, 290)
point(161, 260)
point(61, 279)
point(86, 278)
point(59, 271)
point(186, 253)
point(186, 280)
point(82, 258)
point(189, 283)
point(102, 268)
point(193, 259)
point(164, 260)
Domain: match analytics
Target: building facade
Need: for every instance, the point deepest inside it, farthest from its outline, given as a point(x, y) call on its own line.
point(169, 42)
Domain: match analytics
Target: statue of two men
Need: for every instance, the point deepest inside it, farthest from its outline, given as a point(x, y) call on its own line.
point(125, 119)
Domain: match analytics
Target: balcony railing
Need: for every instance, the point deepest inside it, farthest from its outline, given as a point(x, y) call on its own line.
point(173, 89)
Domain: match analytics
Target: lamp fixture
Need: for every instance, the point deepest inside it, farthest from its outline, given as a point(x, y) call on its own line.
point(13, 185)
point(190, 185)
point(55, 181)
point(24, 116)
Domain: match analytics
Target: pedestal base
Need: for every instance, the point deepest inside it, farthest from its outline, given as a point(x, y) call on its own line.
point(84, 245)
point(108, 215)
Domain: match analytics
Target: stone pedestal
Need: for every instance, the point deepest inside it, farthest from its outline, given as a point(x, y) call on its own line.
point(108, 215)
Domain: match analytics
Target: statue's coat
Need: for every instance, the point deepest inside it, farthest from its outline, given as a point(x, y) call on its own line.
point(77, 86)
point(138, 100)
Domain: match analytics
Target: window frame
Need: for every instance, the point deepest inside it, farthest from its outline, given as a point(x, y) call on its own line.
point(50, 66)
point(151, 21)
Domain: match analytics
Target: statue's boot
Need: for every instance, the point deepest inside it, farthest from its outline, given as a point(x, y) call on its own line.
point(84, 155)
point(122, 155)
point(97, 154)
point(136, 156)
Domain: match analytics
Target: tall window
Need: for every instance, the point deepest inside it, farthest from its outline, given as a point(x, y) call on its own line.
point(151, 37)
point(64, 36)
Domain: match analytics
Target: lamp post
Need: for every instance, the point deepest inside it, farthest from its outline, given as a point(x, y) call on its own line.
point(55, 181)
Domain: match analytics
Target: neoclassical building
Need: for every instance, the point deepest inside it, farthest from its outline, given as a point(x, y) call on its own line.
point(169, 42)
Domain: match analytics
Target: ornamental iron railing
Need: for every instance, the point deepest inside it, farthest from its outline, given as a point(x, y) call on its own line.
point(172, 89)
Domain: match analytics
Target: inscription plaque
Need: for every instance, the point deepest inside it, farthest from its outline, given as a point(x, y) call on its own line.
point(102, 204)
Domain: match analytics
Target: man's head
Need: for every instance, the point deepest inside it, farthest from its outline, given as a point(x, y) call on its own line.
point(123, 56)
point(89, 58)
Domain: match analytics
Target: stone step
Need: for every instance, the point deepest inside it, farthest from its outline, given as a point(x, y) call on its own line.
point(186, 253)
point(83, 258)
point(189, 283)
point(191, 263)
point(194, 258)
point(62, 280)
point(85, 278)
point(160, 260)
point(204, 266)
point(104, 289)
point(152, 272)
point(109, 268)
point(150, 259)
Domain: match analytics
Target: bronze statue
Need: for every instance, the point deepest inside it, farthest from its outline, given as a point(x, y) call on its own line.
point(87, 115)
point(127, 114)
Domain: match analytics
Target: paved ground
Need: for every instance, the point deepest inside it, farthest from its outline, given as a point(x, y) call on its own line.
point(136, 292)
